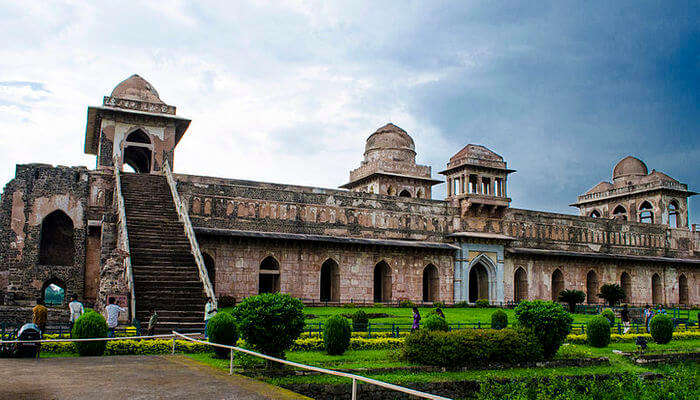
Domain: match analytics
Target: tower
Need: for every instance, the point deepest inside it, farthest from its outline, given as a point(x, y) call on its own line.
point(133, 127)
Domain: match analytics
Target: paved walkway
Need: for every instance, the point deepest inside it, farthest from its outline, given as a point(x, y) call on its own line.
point(127, 377)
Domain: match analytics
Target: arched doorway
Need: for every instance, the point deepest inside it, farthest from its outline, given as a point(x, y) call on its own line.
point(53, 292)
point(646, 213)
point(620, 213)
point(56, 246)
point(656, 295)
point(557, 284)
point(330, 281)
point(591, 287)
point(431, 283)
point(478, 283)
point(626, 284)
point(683, 290)
point(673, 215)
point(211, 269)
point(520, 284)
point(269, 276)
point(138, 151)
point(405, 193)
point(382, 282)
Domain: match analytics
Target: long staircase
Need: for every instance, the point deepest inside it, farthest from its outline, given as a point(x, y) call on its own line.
point(165, 273)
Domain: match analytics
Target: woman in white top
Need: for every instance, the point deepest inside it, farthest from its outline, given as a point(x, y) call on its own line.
point(76, 310)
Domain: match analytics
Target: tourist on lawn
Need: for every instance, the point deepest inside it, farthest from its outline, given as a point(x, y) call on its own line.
point(625, 317)
point(416, 319)
point(39, 314)
point(209, 312)
point(439, 313)
point(113, 311)
point(76, 310)
point(152, 322)
point(648, 315)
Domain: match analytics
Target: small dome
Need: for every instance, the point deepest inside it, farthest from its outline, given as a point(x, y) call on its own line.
point(630, 166)
point(136, 88)
point(392, 138)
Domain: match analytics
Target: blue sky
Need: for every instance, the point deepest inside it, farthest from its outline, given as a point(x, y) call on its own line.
point(288, 92)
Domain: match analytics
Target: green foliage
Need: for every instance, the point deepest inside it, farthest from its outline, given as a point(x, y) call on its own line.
point(499, 320)
point(359, 321)
point(349, 305)
point(482, 303)
point(661, 328)
point(548, 320)
point(222, 330)
point(572, 297)
point(610, 315)
point(462, 304)
point(612, 293)
point(406, 304)
point(598, 331)
point(435, 323)
point(336, 335)
point(90, 325)
point(471, 347)
point(439, 304)
point(572, 352)
point(270, 322)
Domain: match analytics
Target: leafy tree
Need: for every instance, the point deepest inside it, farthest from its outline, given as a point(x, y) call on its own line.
point(612, 293)
point(547, 320)
point(572, 297)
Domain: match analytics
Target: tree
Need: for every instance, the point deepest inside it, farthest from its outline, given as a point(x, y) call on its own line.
point(612, 293)
point(572, 297)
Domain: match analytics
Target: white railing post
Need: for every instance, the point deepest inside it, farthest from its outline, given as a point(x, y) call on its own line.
point(123, 240)
point(230, 367)
point(354, 389)
point(173, 344)
point(189, 231)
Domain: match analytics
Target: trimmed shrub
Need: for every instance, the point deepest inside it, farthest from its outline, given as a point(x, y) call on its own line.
point(610, 315)
point(661, 328)
point(336, 335)
point(270, 322)
point(406, 304)
point(359, 321)
point(482, 303)
point(598, 330)
point(90, 325)
point(499, 320)
point(549, 321)
point(471, 347)
point(222, 330)
point(435, 323)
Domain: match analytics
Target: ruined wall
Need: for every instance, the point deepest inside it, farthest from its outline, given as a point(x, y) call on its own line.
point(36, 191)
point(238, 261)
point(257, 206)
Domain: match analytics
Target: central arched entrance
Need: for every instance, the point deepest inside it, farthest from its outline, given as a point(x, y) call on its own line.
point(138, 152)
point(382, 282)
point(478, 283)
point(330, 281)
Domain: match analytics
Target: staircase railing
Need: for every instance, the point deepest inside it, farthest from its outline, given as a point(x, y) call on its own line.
point(189, 231)
point(123, 240)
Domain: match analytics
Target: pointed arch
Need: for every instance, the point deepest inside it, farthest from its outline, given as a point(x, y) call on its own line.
point(382, 282)
point(557, 284)
point(330, 281)
point(269, 276)
point(591, 287)
point(138, 151)
point(482, 273)
point(431, 283)
point(405, 193)
point(138, 136)
point(656, 289)
point(646, 213)
point(620, 212)
point(56, 244)
point(211, 268)
point(683, 297)
point(53, 292)
point(626, 284)
point(594, 214)
point(520, 284)
point(674, 216)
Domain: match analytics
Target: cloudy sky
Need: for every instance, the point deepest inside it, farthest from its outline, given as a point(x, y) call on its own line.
point(288, 91)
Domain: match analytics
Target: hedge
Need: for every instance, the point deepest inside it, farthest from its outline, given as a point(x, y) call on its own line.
point(630, 337)
point(132, 347)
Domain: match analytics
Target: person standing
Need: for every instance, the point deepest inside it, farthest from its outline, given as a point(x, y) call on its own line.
point(76, 310)
point(152, 323)
point(439, 313)
point(416, 320)
point(209, 313)
point(39, 315)
point(113, 311)
point(625, 317)
point(648, 315)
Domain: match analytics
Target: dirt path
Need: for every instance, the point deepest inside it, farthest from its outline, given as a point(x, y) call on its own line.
point(127, 377)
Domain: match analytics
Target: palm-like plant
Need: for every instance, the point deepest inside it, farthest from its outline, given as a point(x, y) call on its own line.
point(572, 297)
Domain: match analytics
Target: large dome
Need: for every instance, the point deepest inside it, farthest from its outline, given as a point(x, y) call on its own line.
point(136, 88)
point(390, 142)
point(630, 166)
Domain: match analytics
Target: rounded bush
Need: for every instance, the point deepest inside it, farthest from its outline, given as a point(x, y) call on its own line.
point(661, 328)
point(336, 335)
point(499, 320)
point(598, 331)
point(435, 323)
point(482, 303)
point(90, 325)
point(222, 330)
point(548, 320)
point(270, 322)
point(359, 321)
point(610, 315)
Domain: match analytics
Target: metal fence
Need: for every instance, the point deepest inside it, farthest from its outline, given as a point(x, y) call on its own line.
point(8, 331)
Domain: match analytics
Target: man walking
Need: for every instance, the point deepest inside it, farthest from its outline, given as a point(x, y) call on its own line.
point(76, 310)
point(113, 311)
point(39, 315)
point(625, 317)
point(209, 312)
